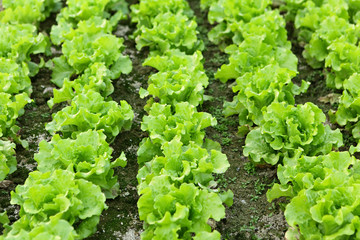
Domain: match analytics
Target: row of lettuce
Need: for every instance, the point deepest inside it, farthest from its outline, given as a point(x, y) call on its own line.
point(321, 184)
point(331, 42)
point(20, 40)
point(64, 197)
point(177, 164)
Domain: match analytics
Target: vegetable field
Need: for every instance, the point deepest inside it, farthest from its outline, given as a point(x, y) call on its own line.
point(149, 119)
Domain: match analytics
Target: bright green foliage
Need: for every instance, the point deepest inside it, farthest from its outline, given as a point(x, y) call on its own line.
point(144, 12)
point(331, 29)
point(91, 42)
point(251, 54)
point(7, 159)
point(96, 77)
point(90, 111)
point(287, 129)
point(297, 174)
point(172, 212)
point(230, 13)
point(78, 10)
point(325, 27)
point(169, 31)
point(163, 125)
point(28, 11)
point(55, 229)
point(11, 107)
point(19, 41)
point(328, 207)
point(257, 90)
point(59, 194)
point(185, 164)
point(14, 77)
point(270, 25)
point(348, 111)
point(311, 16)
point(343, 60)
point(180, 78)
point(89, 155)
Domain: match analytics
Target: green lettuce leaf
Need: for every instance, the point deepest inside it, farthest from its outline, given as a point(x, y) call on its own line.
point(58, 194)
point(89, 155)
point(180, 78)
point(287, 129)
point(91, 111)
point(257, 90)
point(14, 77)
point(168, 31)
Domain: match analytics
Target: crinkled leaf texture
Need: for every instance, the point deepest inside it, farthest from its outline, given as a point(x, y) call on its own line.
point(144, 12)
point(180, 78)
point(89, 155)
point(14, 77)
point(27, 11)
point(229, 13)
point(348, 111)
point(287, 129)
point(11, 107)
point(19, 41)
point(257, 90)
point(163, 125)
point(185, 164)
point(54, 229)
point(97, 77)
point(59, 194)
point(169, 31)
point(90, 111)
point(7, 159)
point(172, 212)
point(326, 206)
point(90, 43)
point(252, 54)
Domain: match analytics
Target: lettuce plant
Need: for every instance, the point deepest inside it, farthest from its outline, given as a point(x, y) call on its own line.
point(251, 54)
point(326, 206)
point(28, 11)
point(14, 77)
point(169, 31)
point(11, 107)
point(229, 13)
point(180, 78)
point(185, 163)
point(96, 77)
point(348, 111)
point(77, 10)
point(7, 159)
point(310, 17)
point(257, 90)
point(19, 41)
point(89, 155)
point(270, 25)
point(343, 61)
point(163, 125)
point(178, 212)
point(91, 42)
point(298, 173)
point(286, 129)
point(55, 228)
point(144, 12)
point(58, 194)
point(331, 29)
point(90, 111)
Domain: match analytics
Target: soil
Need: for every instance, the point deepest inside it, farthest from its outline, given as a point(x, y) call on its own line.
point(250, 217)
